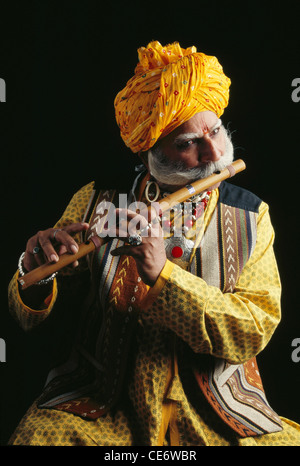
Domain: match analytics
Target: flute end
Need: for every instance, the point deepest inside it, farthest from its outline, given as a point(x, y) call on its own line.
point(22, 282)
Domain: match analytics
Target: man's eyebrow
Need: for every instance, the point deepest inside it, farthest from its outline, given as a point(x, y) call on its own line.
point(187, 136)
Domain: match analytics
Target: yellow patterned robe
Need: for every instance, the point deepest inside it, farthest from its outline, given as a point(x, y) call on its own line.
point(235, 326)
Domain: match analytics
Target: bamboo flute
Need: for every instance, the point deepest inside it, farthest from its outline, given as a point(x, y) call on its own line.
point(166, 203)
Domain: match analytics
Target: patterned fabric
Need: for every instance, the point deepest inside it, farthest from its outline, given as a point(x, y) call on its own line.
point(46, 427)
point(170, 85)
point(106, 330)
point(223, 324)
point(236, 394)
point(234, 231)
point(203, 319)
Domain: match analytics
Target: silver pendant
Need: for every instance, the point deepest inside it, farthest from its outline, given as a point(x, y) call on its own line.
point(178, 250)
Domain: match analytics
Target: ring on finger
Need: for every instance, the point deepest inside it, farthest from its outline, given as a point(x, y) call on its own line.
point(55, 232)
point(135, 240)
point(36, 250)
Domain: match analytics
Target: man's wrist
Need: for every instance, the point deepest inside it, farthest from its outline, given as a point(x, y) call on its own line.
point(36, 297)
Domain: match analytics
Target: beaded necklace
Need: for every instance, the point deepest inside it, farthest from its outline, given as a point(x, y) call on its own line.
point(179, 242)
point(180, 225)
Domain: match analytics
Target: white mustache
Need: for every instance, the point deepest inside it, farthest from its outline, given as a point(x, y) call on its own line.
point(172, 174)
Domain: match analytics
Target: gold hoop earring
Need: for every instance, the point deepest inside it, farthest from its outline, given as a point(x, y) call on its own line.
point(155, 195)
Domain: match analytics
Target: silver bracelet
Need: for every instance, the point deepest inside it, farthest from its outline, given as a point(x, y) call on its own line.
point(41, 282)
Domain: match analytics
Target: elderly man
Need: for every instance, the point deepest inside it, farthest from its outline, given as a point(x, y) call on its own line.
point(165, 348)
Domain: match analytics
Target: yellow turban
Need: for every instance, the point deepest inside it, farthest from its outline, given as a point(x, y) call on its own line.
point(170, 85)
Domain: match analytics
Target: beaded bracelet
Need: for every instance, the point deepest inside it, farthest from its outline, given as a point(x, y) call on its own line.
point(45, 281)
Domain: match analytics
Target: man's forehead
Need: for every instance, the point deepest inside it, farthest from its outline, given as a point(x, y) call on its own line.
point(199, 125)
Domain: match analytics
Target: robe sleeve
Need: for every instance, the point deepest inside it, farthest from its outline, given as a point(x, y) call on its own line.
point(29, 318)
point(235, 325)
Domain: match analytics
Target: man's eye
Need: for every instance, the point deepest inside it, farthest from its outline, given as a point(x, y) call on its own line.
point(215, 131)
point(185, 144)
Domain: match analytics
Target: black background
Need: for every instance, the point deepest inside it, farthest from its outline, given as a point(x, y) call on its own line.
point(63, 63)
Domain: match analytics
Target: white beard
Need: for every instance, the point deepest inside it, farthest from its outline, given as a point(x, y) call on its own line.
point(168, 173)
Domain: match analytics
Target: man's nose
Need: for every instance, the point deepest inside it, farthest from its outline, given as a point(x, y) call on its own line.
point(209, 150)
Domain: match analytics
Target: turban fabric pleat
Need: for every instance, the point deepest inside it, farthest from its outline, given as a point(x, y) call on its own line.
point(170, 85)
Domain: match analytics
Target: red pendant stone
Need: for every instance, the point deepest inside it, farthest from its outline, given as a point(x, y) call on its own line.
point(177, 252)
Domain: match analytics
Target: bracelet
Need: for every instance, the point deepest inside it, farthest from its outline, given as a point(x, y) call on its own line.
point(44, 281)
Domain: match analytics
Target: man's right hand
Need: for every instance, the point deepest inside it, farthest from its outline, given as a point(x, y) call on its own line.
point(48, 245)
